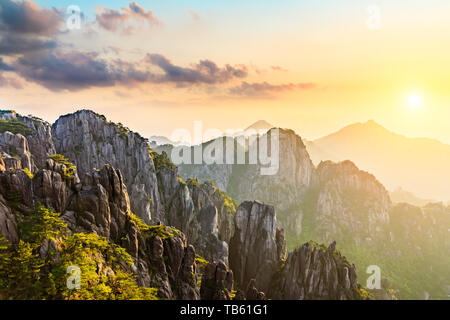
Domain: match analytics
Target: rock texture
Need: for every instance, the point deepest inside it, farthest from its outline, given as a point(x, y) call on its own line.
point(118, 174)
point(258, 247)
point(100, 204)
point(348, 199)
point(217, 282)
point(8, 223)
point(90, 141)
point(313, 272)
point(156, 191)
point(39, 142)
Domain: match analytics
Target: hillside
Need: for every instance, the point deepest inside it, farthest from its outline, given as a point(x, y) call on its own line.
point(419, 165)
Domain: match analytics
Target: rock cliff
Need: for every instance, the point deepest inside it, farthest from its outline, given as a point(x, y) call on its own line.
point(105, 178)
point(258, 247)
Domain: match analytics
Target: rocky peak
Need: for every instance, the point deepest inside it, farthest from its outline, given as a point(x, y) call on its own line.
point(346, 200)
point(315, 272)
point(39, 141)
point(257, 247)
point(90, 141)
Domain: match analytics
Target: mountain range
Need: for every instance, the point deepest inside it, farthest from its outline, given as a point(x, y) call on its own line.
point(419, 165)
point(90, 193)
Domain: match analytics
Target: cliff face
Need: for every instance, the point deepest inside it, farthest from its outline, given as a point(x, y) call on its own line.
point(93, 199)
point(349, 200)
point(258, 246)
point(291, 181)
point(38, 141)
point(99, 204)
point(91, 142)
point(156, 192)
point(314, 272)
point(333, 198)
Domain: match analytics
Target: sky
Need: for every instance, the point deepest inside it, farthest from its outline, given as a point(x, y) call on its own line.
point(156, 66)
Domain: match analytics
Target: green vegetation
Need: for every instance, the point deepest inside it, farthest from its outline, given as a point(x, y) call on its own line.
point(201, 262)
point(161, 231)
point(14, 199)
point(122, 129)
point(7, 111)
point(409, 272)
point(142, 226)
point(68, 169)
point(26, 273)
point(15, 126)
point(227, 201)
point(193, 182)
point(161, 160)
point(28, 173)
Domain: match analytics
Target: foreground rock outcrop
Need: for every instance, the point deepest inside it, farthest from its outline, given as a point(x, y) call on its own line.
point(347, 200)
point(185, 222)
point(258, 247)
point(156, 192)
point(90, 141)
point(314, 272)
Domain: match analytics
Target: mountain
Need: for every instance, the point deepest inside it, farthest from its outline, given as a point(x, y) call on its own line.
point(88, 192)
point(339, 201)
point(419, 165)
point(400, 195)
point(111, 207)
point(160, 140)
point(260, 125)
point(317, 154)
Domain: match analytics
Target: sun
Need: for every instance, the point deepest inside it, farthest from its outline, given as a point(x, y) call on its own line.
point(414, 101)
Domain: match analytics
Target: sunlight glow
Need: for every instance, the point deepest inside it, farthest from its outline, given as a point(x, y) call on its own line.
point(414, 101)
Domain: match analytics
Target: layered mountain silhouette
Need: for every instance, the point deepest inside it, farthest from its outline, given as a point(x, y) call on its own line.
point(92, 192)
point(419, 165)
point(339, 201)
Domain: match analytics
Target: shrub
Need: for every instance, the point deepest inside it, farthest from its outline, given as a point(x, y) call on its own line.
point(28, 172)
point(15, 126)
point(68, 169)
point(104, 266)
point(161, 160)
point(142, 226)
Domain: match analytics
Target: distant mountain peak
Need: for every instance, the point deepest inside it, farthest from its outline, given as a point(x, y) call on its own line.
point(373, 123)
point(260, 125)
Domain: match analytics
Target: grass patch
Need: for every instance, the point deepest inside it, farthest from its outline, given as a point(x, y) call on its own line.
point(15, 127)
point(68, 169)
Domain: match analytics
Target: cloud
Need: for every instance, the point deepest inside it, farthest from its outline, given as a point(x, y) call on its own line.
point(25, 17)
point(76, 70)
point(113, 20)
point(4, 66)
point(264, 89)
point(10, 82)
point(58, 70)
point(206, 71)
point(13, 44)
point(28, 36)
point(25, 27)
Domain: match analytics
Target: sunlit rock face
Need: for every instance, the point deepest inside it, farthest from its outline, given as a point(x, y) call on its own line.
point(258, 247)
point(348, 200)
point(156, 191)
point(314, 272)
point(90, 141)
